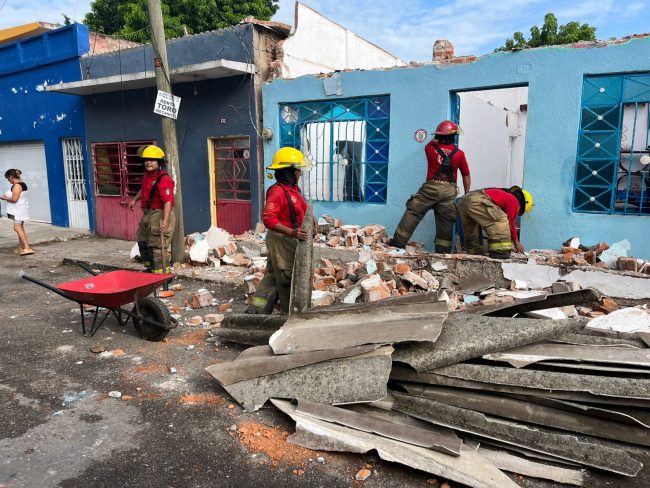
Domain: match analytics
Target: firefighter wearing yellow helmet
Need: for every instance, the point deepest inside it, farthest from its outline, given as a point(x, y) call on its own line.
point(283, 215)
point(495, 210)
point(157, 201)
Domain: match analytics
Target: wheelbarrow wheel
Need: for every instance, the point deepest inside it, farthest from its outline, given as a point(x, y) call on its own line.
point(153, 309)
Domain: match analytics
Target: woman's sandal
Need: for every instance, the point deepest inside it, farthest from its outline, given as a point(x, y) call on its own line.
point(26, 252)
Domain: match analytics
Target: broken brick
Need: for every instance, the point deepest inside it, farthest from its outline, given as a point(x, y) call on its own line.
point(213, 318)
point(225, 307)
point(590, 257)
point(401, 268)
point(202, 298)
point(624, 263)
point(334, 241)
point(362, 474)
point(352, 240)
point(606, 305)
point(415, 280)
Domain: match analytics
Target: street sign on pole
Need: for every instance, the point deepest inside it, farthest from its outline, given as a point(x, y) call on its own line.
point(167, 104)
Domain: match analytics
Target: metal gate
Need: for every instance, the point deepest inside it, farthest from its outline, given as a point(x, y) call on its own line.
point(118, 175)
point(233, 183)
point(75, 183)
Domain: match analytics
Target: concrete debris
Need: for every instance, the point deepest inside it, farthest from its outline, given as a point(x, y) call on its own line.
point(216, 237)
point(260, 361)
point(540, 440)
point(199, 251)
point(345, 328)
point(251, 330)
point(623, 320)
point(201, 299)
point(301, 276)
point(536, 353)
point(537, 276)
point(475, 283)
point(521, 465)
point(361, 378)
point(465, 336)
point(469, 468)
point(612, 284)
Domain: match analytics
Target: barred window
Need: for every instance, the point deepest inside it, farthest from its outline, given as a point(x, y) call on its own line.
point(613, 158)
point(347, 142)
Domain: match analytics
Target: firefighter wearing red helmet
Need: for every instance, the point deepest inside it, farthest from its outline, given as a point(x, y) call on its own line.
point(438, 192)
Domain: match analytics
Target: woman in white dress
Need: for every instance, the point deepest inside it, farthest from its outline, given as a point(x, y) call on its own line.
point(18, 209)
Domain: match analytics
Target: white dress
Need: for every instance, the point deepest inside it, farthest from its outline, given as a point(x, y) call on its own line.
point(20, 208)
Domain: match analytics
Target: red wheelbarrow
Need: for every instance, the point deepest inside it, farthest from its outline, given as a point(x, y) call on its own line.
point(111, 291)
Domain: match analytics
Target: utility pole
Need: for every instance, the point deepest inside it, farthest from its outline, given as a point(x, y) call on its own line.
point(163, 83)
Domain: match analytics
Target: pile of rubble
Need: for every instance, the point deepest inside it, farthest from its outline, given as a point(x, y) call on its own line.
point(462, 395)
point(601, 255)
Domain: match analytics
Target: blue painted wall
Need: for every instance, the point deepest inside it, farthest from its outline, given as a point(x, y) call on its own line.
point(420, 98)
point(128, 115)
point(29, 113)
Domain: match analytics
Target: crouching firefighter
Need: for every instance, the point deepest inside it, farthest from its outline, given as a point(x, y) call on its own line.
point(283, 215)
point(157, 199)
point(439, 191)
point(495, 210)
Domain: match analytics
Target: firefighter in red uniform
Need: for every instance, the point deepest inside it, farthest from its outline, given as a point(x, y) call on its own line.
point(495, 210)
point(439, 191)
point(157, 199)
point(283, 215)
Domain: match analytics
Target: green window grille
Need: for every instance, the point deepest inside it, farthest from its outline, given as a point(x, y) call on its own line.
point(347, 142)
point(613, 156)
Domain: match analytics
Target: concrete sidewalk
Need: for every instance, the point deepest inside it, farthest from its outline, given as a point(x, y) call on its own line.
point(37, 233)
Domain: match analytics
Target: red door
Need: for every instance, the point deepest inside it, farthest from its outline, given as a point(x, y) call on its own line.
point(118, 175)
point(233, 184)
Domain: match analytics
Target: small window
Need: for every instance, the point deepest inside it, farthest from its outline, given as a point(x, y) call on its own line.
point(347, 143)
point(613, 157)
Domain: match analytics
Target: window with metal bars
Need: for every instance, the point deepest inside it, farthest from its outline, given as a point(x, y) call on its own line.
point(347, 142)
point(118, 168)
point(233, 171)
point(613, 157)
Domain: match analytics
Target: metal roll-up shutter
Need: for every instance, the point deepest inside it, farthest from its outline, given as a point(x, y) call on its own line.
point(28, 157)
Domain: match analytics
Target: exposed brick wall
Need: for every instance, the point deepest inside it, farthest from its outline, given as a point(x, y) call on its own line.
point(101, 43)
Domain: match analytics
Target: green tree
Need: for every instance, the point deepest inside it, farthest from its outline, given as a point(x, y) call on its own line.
point(129, 19)
point(551, 34)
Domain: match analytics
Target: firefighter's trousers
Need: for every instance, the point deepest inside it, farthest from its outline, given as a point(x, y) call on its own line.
point(148, 237)
point(439, 196)
point(477, 211)
point(276, 283)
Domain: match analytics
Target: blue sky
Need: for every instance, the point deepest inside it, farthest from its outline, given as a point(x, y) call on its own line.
point(408, 28)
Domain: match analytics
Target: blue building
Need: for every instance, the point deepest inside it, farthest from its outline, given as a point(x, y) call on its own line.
point(42, 133)
point(571, 123)
point(218, 77)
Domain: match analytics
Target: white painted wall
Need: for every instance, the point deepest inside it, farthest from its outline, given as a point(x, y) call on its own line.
point(319, 45)
point(494, 135)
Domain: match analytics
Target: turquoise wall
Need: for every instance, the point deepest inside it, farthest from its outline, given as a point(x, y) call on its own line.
point(420, 97)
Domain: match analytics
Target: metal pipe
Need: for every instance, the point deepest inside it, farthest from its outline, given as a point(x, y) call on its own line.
point(48, 286)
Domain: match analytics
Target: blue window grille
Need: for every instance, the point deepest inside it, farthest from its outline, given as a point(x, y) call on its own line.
point(347, 141)
point(613, 157)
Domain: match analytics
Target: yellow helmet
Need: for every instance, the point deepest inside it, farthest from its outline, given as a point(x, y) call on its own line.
point(289, 157)
point(529, 200)
point(524, 198)
point(152, 152)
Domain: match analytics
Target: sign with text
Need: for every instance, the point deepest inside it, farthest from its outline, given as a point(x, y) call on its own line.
point(167, 105)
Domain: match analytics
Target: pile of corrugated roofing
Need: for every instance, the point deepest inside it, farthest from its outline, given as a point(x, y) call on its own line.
point(462, 395)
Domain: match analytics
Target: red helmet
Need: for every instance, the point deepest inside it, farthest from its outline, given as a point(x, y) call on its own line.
point(446, 128)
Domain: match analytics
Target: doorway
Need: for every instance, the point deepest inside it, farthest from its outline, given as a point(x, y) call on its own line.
point(493, 125)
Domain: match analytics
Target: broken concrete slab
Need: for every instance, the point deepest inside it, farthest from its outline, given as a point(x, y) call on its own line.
point(474, 283)
point(518, 409)
point(538, 439)
point(534, 353)
point(259, 321)
point(469, 468)
point(303, 265)
point(360, 378)
point(384, 325)
point(606, 389)
point(518, 464)
point(466, 336)
point(245, 336)
point(584, 339)
point(260, 361)
point(536, 275)
point(612, 284)
point(623, 320)
point(448, 444)
point(546, 301)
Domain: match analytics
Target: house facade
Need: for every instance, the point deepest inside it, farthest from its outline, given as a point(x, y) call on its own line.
point(42, 133)
point(570, 123)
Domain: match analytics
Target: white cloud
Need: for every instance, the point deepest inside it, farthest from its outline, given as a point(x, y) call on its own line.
point(18, 12)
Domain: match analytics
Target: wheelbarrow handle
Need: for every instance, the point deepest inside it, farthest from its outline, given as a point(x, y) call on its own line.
point(85, 267)
point(48, 286)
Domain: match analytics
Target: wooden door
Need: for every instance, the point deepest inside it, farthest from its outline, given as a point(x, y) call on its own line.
point(233, 183)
